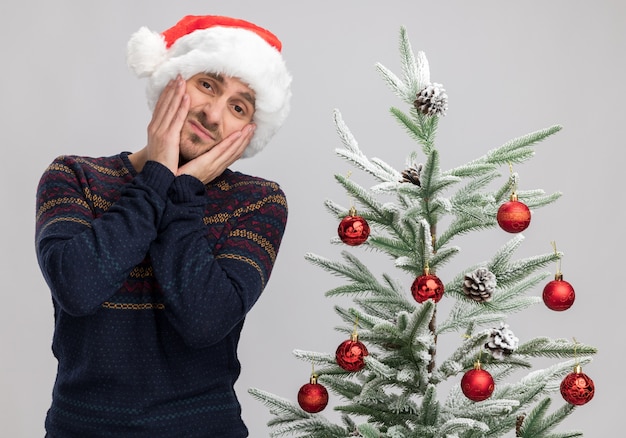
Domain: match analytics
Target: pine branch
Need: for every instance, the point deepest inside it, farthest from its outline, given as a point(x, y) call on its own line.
point(518, 149)
point(440, 205)
point(505, 301)
point(504, 193)
point(482, 175)
point(338, 384)
point(314, 427)
point(464, 225)
point(430, 407)
point(442, 256)
point(385, 307)
point(396, 248)
point(458, 360)
point(374, 412)
point(353, 270)
point(462, 315)
point(473, 170)
point(278, 405)
point(347, 289)
point(386, 168)
point(316, 358)
point(403, 403)
point(462, 425)
point(538, 199)
point(421, 128)
point(564, 435)
point(555, 348)
point(416, 70)
point(432, 182)
point(365, 320)
point(501, 258)
point(417, 323)
point(536, 383)
point(364, 197)
point(538, 423)
point(396, 85)
point(505, 367)
point(367, 430)
point(380, 369)
point(490, 410)
point(353, 153)
point(290, 418)
point(511, 298)
point(517, 270)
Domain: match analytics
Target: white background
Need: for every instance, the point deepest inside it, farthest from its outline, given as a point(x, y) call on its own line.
point(509, 68)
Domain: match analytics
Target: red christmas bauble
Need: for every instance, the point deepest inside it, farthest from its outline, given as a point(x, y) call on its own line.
point(477, 384)
point(427, 287)
point(350, 354)
point(558, 294)
point(577, 388)
point(513, 216)
point(353, 230)
point(312, 397)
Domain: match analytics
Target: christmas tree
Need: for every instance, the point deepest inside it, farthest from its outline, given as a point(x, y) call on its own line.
point(387, 375)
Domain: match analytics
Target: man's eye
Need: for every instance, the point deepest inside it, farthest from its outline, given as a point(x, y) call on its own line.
point(238, 109)
point(206, 85)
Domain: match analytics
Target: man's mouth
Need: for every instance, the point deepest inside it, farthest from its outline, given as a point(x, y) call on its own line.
point(201, 131)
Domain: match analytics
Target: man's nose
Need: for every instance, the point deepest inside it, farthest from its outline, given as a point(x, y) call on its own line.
point(213, 111)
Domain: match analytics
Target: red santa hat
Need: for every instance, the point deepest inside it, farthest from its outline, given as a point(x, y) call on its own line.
point(222, 45)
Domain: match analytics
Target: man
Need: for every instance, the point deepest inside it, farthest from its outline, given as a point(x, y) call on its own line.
point(154, 258)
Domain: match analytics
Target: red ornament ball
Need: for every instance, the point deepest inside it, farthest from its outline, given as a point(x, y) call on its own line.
point(427, 287)
point(558, 294)
point(312, 397)
point(577, 388)
point(350, 355)
point(513, 216)
point(477, 384)
point(353, 230)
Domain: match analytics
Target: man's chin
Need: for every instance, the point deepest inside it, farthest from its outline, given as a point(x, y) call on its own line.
point(184, 158)
point(190, 152)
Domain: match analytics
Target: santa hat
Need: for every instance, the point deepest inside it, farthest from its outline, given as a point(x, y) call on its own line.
point(221, 45)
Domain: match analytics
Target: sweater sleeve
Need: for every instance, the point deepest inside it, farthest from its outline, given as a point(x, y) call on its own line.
point(209, 284)
point(85, 257)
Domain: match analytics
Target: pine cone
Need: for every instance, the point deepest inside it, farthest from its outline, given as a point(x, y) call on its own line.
point(479, 285)
point(432, 100)
point(412, 175)
point(502, 342)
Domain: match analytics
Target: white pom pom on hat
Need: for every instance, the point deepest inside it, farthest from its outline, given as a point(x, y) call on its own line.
point(223, 45)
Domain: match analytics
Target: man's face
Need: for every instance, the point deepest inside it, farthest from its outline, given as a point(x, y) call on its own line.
point(219, 106)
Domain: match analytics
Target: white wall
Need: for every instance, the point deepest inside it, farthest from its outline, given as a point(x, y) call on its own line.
point(509, 68)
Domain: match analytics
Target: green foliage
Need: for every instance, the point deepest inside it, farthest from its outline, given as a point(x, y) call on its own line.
point(397, 393)
point(539, 422)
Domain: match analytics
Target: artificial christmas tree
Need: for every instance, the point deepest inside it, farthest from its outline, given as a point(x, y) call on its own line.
point(397, 392)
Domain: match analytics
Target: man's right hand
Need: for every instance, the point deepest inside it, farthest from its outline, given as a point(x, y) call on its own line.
point(167, 121)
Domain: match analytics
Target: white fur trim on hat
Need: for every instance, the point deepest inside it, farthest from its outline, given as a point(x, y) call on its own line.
point(230, 51)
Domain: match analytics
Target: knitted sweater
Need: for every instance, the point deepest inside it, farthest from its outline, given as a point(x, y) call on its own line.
point(151, 278)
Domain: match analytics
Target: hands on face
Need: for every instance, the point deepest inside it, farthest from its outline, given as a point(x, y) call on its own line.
point(209, 165)
point(164, 136)
point(168, 118)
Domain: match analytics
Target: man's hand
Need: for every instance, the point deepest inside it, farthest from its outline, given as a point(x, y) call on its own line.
point(167, 121)
point(212, 163)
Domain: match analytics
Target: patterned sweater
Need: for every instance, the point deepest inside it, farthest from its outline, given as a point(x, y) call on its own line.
point(151, 278)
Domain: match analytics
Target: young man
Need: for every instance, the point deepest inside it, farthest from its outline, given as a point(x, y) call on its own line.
point(154, 258)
